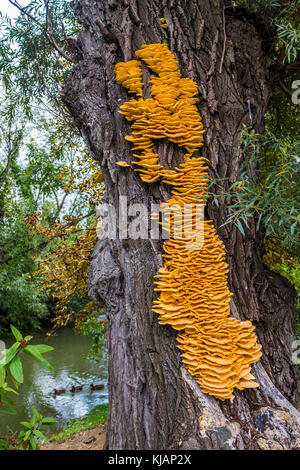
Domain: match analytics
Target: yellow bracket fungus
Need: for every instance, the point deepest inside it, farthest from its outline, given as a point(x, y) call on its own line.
point(164, 24)
point(129, 75)
point(122, 163)
point(194, 298)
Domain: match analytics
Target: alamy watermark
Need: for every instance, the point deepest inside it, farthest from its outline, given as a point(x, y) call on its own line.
point(159, 221)
point(2, 350)
point(296, 352)
point(296, 94)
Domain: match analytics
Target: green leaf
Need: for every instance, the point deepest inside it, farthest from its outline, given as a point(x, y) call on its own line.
point(16, 333)
point(293, 226)
point(9, 389)
point(2, 375)
point(268, 230)
point(26, 424)
point(240, 227)
point(9, 354)
point(36, 414)
point(16, 370)
point(33, 352)
point(28, 338)
point(49, 421)
point(33, 442)
point(39, 434)
point(26, 435)
point(43, 348)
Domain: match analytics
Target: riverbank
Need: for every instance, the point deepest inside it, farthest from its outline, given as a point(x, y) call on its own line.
point(84, 433)
point(92, 439)
point(71, 369)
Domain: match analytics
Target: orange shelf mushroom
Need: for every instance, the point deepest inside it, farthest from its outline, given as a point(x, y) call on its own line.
point(194, 297)
point(129, 75)
point(123, 164)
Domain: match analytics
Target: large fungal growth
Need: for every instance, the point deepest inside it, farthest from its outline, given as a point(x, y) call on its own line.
point(194, 298)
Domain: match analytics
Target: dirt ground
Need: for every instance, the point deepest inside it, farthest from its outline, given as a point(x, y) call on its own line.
point(92, 439)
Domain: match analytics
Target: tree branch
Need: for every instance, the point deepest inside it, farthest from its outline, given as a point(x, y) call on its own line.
point(70, 224)
point(48, 35)
point(59, 204)
point(288, 92)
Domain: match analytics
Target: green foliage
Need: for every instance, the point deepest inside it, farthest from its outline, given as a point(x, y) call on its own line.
point(34, 431)
point(39, 174)
point(89, 421)
point(283, 118)
point(20, 302)
point(289, 36)
point(272, 198)
point(29, 64)
point(11, 369)
point(11, 378)
point(292, 272)
point(283, 16)
point(97, 328)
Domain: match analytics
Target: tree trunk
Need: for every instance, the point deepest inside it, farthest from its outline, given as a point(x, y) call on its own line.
point(154, 403)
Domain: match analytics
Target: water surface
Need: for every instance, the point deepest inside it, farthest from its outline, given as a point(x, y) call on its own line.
point(70, 368)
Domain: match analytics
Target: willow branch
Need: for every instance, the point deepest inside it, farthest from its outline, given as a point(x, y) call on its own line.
point(48, 35)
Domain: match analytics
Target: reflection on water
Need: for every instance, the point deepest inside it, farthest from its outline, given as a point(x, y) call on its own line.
point(70, 368)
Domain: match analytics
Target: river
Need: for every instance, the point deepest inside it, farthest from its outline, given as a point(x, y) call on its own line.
point(70, 368)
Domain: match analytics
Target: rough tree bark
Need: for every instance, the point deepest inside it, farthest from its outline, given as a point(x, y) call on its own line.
point(154, 402)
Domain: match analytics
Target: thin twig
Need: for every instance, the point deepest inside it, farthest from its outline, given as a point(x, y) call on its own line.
point(285, 89)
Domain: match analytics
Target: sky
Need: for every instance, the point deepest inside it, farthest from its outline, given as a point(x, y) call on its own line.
point(8, 9)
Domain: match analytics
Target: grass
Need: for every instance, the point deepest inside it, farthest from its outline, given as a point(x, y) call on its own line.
point(95, 416)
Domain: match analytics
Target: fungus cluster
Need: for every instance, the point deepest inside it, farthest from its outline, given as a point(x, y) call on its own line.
point(129, 75)
point(170, 113)
point(194, 297)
